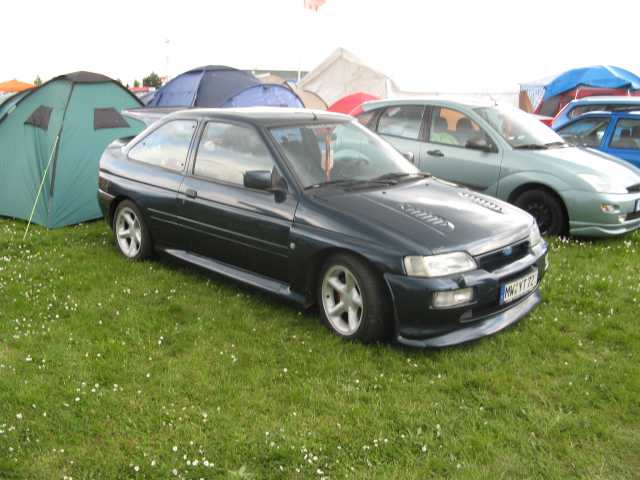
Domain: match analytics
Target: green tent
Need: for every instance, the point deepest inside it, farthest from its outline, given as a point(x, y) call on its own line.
point(51, 140)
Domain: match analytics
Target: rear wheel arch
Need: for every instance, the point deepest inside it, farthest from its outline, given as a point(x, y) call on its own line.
point(114, 205)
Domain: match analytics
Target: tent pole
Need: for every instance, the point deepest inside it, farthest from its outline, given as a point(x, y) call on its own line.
point(44, 176)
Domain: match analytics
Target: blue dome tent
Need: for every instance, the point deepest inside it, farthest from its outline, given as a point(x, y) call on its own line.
point(220, 86)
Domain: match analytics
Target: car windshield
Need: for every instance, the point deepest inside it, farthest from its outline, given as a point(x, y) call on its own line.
point(333, 153)
point(518, 128)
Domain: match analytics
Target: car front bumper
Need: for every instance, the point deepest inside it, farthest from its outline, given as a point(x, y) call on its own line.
point(587, 219)
point(419, 324)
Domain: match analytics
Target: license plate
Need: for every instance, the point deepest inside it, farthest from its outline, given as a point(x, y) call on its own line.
point(518, 288)
point(637, 206)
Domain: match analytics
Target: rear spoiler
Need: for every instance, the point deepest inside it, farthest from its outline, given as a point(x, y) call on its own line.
point(149, 115)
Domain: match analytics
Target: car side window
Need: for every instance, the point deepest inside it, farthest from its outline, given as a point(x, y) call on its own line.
point(451, 127)
point(587, 132)
point(403, 121)
point(227, 151)
point(626, 135)
point(167, 146)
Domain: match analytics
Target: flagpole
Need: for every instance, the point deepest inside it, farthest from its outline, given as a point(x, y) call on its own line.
point(301, 37)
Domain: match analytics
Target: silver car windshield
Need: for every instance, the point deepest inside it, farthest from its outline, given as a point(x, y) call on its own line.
point(340, 152)
point(518, 128)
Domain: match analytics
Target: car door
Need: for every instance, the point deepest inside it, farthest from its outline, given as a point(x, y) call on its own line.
point(401, 126)
point(459, 150)
point(157, 166)
point(625, 140)
point(239, 226)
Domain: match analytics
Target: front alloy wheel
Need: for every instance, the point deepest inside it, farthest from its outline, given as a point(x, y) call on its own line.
point(353, 300)
point(342, 300)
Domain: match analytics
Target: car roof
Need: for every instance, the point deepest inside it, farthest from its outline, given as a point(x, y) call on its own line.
point(606, 99)
point(607, 113)
point(439, 101)
point(263, 116)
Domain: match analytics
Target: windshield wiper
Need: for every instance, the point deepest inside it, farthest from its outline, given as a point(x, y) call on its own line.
point(399, 175)
point(556, 144)
point(346, 182)
point(531, 146)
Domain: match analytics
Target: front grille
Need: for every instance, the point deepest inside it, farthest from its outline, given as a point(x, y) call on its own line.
point(499, 258)
point(633, 216)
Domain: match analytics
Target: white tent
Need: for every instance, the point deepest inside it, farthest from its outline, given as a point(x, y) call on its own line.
point(341, 74)
point(500, 97)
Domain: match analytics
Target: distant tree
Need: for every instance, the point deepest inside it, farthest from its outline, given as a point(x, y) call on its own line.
point(38, 81)
point(136, 83)
point(153, 80)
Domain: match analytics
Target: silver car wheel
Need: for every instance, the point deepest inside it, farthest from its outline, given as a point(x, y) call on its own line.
point(128, 232)
point(342, 300)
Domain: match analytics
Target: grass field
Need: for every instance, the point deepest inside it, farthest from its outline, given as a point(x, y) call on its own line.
point(110, 369)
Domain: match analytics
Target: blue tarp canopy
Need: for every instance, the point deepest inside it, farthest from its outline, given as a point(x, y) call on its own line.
point(220, 86)
point(600, 76)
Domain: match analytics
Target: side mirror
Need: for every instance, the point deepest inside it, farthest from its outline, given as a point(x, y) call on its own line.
point(269, 180)
point(409, 156)
point(258, 179)
point(479, 144)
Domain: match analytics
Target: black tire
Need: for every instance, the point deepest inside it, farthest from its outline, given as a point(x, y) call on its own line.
point(144, 245)
point(376, 321)
point(546, 209)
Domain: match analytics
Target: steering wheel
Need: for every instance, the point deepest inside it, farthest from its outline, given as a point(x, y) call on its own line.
point(348, 161)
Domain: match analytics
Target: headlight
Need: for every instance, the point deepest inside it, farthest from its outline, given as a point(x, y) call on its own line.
point(603, 184)
point(534, 235)
point(439, 265)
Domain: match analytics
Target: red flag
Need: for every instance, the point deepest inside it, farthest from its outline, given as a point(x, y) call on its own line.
point(313, 4)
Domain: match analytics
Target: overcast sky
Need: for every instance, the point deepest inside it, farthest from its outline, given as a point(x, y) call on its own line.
point(444, 46)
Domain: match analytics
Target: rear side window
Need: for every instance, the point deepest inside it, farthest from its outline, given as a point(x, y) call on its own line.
point(626, 135)
point(167, 146)
point(404, 121)
point(579, 110)
point(367, 119)
point(587, 132)
point(227, 151)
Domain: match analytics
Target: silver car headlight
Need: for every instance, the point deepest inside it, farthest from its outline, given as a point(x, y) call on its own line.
point(534, 235)
point(603, 184)
point(439, 265)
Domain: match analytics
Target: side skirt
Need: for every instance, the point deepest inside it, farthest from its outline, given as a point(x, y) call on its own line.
point(250, 278)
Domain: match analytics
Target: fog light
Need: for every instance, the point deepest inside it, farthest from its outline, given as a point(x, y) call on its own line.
point(622, 219)
point(451, 298)
point(609, 208)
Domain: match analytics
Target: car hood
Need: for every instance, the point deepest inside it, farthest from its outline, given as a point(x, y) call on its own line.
point(429, 217)
point(584, 160)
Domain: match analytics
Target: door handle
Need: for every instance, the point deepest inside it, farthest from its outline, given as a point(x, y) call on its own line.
point(191, 193)
point(435, 153)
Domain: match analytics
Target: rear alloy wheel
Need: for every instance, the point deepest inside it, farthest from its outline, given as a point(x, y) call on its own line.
point(131, 232)
point(546, 209)
point(352, 299)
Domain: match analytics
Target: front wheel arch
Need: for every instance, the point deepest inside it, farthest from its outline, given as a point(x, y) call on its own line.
point(539, 186)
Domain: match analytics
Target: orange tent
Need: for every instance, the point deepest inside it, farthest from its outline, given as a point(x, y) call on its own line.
point(14, 86)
